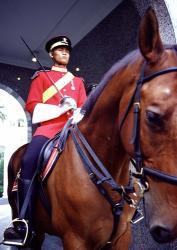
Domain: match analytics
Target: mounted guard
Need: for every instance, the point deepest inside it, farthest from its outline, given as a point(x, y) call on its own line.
point(54, 95)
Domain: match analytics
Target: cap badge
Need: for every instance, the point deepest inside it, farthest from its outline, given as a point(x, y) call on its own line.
point(65, 40)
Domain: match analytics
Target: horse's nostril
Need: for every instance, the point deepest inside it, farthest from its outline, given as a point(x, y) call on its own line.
point(161, 234)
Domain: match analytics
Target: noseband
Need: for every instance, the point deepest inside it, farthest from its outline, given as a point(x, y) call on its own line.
point(142, 170)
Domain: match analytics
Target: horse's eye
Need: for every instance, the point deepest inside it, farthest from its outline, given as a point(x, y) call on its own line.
point(154, 119)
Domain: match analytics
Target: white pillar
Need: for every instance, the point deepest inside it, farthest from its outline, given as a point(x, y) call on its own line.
point(13, 130)
point(7, 154)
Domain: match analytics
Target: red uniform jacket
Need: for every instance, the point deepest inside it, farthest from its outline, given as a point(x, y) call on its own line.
point(40, 83)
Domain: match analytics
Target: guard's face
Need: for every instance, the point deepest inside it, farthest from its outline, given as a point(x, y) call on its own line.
point(60, 56)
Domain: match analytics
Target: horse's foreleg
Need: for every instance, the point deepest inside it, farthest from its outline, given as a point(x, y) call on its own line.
point(71, 242)
point(123, 238)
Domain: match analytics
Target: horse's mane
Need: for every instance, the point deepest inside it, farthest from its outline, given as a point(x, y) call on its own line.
point(89, 104)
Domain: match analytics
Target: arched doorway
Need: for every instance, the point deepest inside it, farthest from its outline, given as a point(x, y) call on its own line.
point(15, 130)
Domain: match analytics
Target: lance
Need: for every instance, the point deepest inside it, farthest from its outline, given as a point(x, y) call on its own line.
point(40, 64)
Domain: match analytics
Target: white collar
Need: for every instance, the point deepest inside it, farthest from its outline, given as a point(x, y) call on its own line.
point(59, 69)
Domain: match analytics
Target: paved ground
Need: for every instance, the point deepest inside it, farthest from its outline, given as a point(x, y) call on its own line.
point(141, 237)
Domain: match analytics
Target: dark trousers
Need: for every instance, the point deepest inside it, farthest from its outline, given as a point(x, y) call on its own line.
point(30, 158)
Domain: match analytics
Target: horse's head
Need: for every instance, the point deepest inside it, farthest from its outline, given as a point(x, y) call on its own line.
point(157, 136)
point(154, 133)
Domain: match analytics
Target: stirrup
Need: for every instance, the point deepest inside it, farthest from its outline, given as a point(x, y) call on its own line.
point(17, 242)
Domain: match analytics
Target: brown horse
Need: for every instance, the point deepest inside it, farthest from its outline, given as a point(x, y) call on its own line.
point(117, 130)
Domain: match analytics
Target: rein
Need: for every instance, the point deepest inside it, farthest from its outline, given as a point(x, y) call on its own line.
point(99, 175)
point(143, 171)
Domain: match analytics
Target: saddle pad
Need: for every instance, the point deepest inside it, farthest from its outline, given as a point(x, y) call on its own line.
point(49, 154)
point(54, 155)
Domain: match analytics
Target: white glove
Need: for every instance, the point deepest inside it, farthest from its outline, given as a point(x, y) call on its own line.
point(67, 103)
point(77, 116)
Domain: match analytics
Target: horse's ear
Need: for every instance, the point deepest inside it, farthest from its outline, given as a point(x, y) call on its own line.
point(149, 39)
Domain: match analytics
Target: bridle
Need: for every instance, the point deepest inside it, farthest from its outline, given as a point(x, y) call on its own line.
point(141, 170)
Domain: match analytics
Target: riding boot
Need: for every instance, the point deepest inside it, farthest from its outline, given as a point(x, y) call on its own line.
point(22, 234)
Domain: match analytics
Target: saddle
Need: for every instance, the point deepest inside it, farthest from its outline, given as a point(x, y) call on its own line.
point(48, 156)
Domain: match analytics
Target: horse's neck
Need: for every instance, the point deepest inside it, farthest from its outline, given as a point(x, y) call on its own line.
point(101, 128)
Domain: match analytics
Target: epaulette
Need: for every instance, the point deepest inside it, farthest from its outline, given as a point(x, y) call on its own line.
point(36, 74)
